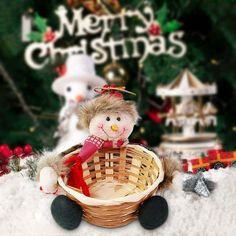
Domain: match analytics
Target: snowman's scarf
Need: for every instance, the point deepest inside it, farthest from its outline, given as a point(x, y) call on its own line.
point(76, 177)
point(91, 145)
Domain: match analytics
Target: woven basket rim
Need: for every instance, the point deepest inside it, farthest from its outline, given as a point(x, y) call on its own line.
point(116, 201)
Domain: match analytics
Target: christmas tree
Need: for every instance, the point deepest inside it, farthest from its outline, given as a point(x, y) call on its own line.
point(29, 107)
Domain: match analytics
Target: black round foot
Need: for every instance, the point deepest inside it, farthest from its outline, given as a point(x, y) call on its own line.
point(66, 212)
point(153, 212)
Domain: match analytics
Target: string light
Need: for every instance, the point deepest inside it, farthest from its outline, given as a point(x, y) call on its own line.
point(142, 130)
point(32, 129)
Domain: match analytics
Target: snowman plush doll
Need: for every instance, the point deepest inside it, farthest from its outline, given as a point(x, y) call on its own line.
point(110, 120)
point(76, 85)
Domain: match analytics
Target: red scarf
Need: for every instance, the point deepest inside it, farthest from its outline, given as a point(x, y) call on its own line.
point(91, 145)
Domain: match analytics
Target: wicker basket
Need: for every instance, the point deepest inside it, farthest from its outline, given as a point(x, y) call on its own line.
point(136, 173)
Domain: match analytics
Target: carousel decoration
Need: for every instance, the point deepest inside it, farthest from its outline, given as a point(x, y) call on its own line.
point(189, 116)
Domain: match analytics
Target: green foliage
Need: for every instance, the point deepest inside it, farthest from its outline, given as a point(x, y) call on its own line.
point(41, 25)
point(35, 36)
point(171, 26)
point(162, 14)
point(167, 26)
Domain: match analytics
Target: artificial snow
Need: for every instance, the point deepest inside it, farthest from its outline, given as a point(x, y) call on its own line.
point(24, 210)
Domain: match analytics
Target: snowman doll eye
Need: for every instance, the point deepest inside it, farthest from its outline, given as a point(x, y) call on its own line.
point(118, 118)
point(108, 118)
point(68, 89)
point(89, 87)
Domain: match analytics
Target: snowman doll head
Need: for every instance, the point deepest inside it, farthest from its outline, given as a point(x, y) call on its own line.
point(78, 79)
point(109, 116)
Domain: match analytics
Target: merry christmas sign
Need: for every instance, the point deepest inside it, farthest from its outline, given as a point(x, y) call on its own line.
point(94, 37)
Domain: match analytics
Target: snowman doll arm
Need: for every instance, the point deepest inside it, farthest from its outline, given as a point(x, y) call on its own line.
point(91, 145)
point(48, 180)
point(63, 123)
point(75, 178)
point(49, 167)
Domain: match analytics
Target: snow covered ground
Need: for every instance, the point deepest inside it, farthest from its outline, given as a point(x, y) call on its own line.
point(24, 210)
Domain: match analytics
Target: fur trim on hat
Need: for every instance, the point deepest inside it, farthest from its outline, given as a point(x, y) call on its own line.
point(105, 104)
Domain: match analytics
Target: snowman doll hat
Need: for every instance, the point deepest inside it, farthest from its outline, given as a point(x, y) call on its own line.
point(110, 100)
point(78, 68)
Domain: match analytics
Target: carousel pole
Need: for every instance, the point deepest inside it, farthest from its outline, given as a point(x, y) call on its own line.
point(201, 115)
point(173, 104)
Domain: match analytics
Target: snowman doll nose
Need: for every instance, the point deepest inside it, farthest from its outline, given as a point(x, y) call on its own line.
point(79, 98)
point(114, 127)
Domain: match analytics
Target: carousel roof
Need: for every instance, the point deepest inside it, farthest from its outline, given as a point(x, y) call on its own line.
point(209, 109)
point(186, 84)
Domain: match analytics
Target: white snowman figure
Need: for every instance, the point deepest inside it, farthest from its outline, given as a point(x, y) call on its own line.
point(76, 85)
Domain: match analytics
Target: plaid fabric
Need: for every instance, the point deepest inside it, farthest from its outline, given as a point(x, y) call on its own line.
point(95, 140)
point(91, 145)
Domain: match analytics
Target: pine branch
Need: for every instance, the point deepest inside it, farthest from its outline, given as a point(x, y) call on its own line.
point(15, 90)
point(31, 166)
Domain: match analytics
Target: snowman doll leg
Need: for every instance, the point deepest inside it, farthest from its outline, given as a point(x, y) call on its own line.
point(66, 213)
point(153, 212)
